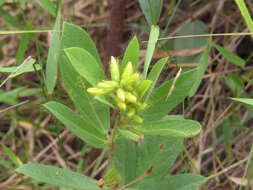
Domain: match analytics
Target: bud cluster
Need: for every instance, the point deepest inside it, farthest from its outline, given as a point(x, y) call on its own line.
point(126, 90)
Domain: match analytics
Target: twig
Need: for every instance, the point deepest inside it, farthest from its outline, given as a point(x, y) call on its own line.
point(17, 69)
point(146, 173)
point(16, 105)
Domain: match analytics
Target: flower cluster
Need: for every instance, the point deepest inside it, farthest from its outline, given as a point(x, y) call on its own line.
point(127, 90)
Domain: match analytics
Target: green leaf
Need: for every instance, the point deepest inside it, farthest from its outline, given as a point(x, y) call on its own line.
point(245, 13)
point(177, 182)
point(2, 2)
point(82, 128)
point(15, 159)
point(26, 67)
point(156, 152)
point(161, 104)
point(85, 64)
point(235, 83)
point(153, 37)
point(152, 10)
point(75, 36)
point(48, 6)
point(58, 176)
point(131, 54)
point(203, 62)
point(9, 19)
point(53, 56)
point(23, 45)
point(190, 28)
point(157, 69)
point(233, 58)
point(11, 96)
point(125, 160)
point(244, 100)
point(171, 127)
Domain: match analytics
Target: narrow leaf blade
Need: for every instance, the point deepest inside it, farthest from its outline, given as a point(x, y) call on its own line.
point(153, 37)
point(53, 56)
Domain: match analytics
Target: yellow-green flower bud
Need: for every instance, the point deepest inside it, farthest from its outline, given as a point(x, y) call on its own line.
point(143, 87)
point(121, 94)
point(114, 69)
point(107, 84)
point(142, 106)
point(121, 105)
point(97, 91)
point(130, 97)
point(131, 112)
point(137, 119)
point(127, 71)
point(134, 78)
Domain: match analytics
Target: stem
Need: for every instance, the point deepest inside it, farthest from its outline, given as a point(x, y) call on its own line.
point(229, 168)
point(116, 27)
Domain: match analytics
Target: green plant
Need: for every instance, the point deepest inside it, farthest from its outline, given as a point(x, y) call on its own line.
point(125, 114)
point(139, 114)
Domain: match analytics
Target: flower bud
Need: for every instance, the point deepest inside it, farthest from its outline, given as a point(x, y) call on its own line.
point(127, 71)
point(142, 106)
point(131, 112)
point(121, 94)
point(107, 84)
point(143, 87)
point(137, 119)
point(121, 105)
point(97, 91)
point(134, 78)
point(114, 69)
point(130, 97)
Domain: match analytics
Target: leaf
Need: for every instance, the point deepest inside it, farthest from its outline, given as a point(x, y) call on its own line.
point(232, 57)
point(15, 159)
point(156, 152)
point(53, 56)
point(171, 127)
point(9, 19)
point(244, 100)
point(177, 182)
point(10, 97)
point(235, 83)
point(74, 36)
point(245, 13)
point(131, 54)
point(153, 37)
point(203, 62)
point(58, 176)
point(190, 28)
point(82, 128)
point(48, 6)
point(23, 45)
point(125, 159)
point(26, 67)
point(157, 69)
point(152, 10)
point(85, 64)
point(161, 104)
